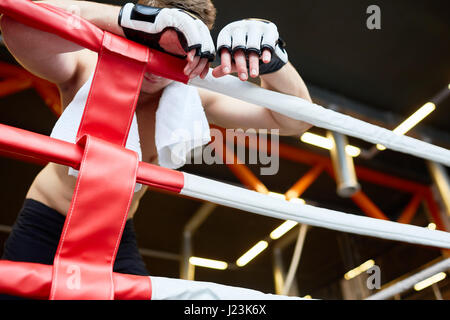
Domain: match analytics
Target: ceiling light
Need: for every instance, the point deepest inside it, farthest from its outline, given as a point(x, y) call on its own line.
point(415, 118)
point(324, 142)
point(358, 270)
point(282, 229)
point(297, 200)
point(316, 140)
point(412, 121)
point(252, 253)
point(429, 281)
point(277, 195)
point(431, 226)
point(352, 151)
point(208, 263)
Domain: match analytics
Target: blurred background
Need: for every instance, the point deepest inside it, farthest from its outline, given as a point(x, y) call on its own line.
point(382, 76)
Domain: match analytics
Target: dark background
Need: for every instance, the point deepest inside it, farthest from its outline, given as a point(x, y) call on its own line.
point(380, 76)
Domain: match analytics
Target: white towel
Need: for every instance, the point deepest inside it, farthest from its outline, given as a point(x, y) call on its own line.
point(181, 125)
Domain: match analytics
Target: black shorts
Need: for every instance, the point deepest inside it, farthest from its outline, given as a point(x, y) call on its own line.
point(35, 238)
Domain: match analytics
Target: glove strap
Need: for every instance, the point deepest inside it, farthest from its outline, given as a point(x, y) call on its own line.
point(276, 63)
point(139, 12)
point(148, 14)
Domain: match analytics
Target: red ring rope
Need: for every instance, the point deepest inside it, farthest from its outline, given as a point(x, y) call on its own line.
point(107, 171)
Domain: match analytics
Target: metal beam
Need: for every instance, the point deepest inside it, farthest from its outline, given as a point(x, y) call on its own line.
point(367, 206)
point(159, 254)
point(441, 179)
point(304, 182)
point(279, 269)
point(344, 168)
point(5, 229)
point(437, 291)
point(295, 259)
point(411, 209)
point(187, 270)
point(279, 273)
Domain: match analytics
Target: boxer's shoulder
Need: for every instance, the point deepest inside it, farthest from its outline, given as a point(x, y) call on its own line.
point(87, 61)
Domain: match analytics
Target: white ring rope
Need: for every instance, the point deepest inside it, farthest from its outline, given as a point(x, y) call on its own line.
point(176, 289)
point(316, 115)
point(409, 282)
point(252, 201)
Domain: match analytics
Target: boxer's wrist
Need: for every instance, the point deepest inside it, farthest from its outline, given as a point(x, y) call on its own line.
point(279, 59)
point(130, 11)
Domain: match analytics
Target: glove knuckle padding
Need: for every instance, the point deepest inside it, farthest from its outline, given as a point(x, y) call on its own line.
point(186, 25)
point(224, 39)
point(153, 21)
point(254, 35)
point(271, 35)
point(238, 38)
point(164, 20)
point(207, 46)
point(254, 39)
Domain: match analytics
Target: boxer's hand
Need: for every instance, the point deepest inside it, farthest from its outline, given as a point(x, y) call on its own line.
point(250, 46)
point(170, 30)
point(195, 66)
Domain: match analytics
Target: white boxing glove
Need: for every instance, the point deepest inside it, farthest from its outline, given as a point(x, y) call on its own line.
point(254, 35)
point(145, 25)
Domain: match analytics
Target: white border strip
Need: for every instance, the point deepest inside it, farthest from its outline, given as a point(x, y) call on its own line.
point(251, 201)
point(409, 282)
point(316, 115)
point(176, 289)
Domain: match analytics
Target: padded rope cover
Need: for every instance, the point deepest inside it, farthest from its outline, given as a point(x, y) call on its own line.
point(300, 109)
point(115, 90)
point(84, 261)
point(34, 280)
point(94, 224)
point(88, 245)
point(35, 147)
point(54, 20)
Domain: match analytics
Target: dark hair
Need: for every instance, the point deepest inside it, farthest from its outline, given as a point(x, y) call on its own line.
point(203, 9)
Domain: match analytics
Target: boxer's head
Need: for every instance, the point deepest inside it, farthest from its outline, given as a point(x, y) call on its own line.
point(203, 9)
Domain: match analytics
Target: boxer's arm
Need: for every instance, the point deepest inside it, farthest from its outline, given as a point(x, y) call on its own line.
point(49, 56)
point(252, 47)
point(288, 81)
point(58, 60)
point(43, 54)
point(104, 16)
point(232, 113)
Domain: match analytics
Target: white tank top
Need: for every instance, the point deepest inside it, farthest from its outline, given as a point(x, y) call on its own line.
point(66, 128)
point(180, 127)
